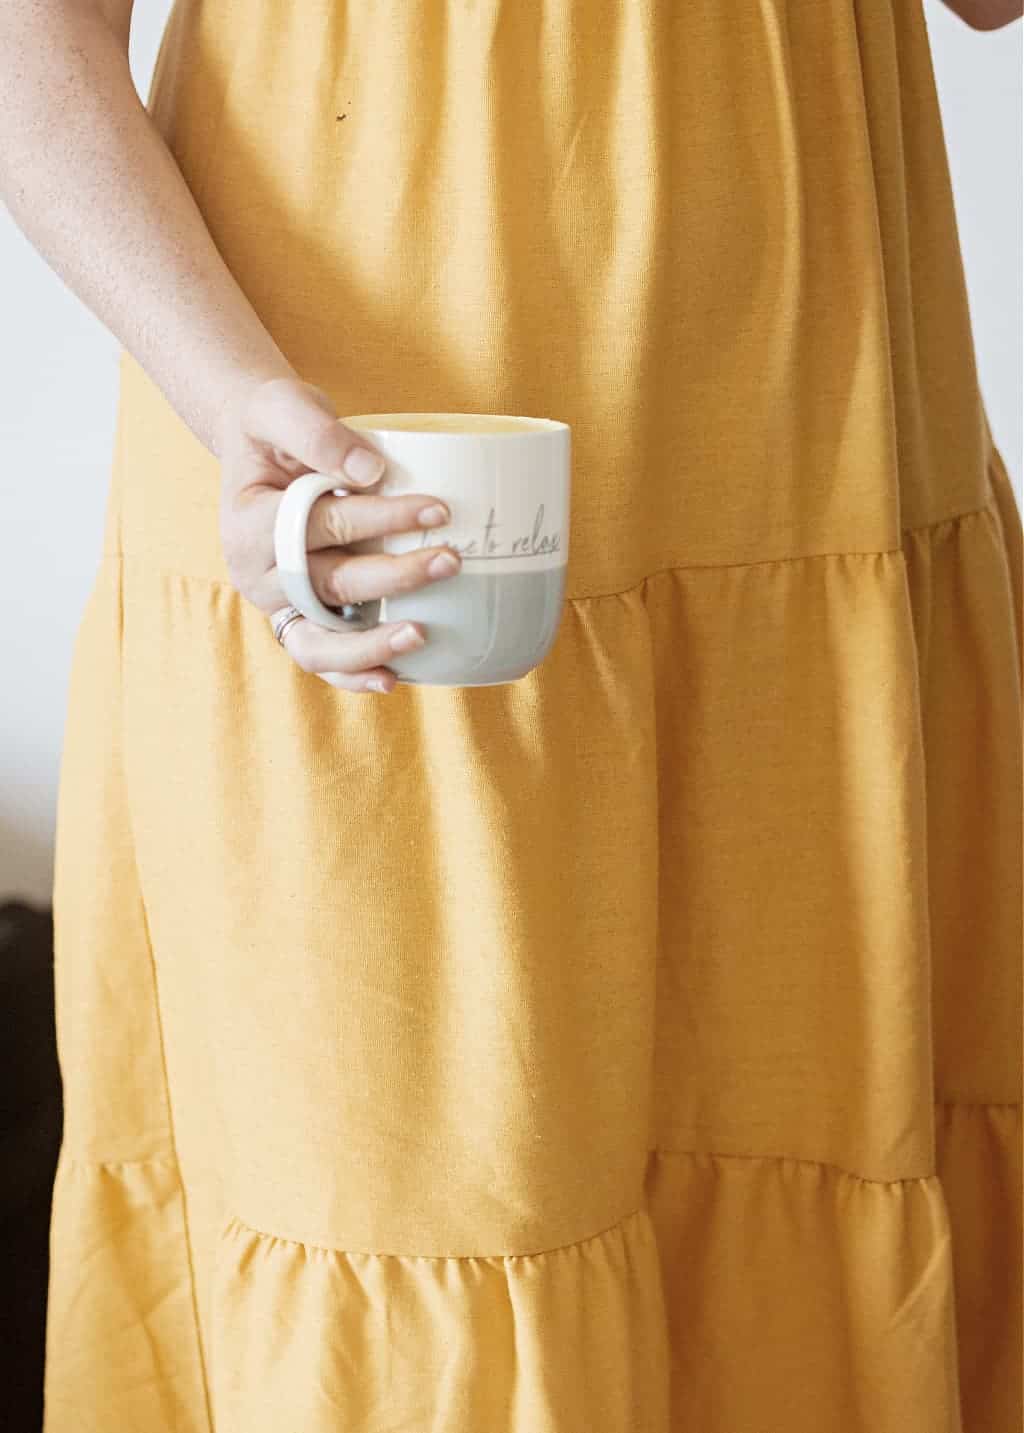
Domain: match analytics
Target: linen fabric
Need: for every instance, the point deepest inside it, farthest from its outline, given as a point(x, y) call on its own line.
point(634, 1047)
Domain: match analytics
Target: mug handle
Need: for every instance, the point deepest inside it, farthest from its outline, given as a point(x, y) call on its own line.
point(290, 538)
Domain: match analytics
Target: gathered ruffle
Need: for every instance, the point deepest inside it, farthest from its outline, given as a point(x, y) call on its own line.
point(743, 1292)
point(827, 1235)
point(979, 1164)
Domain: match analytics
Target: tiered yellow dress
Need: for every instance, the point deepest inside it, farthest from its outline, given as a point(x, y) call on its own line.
point(635, 1047)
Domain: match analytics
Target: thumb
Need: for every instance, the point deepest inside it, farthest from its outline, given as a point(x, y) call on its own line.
point(300, 420)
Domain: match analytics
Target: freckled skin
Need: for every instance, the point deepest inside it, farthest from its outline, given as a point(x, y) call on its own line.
point(88, 179)
point(109, 210)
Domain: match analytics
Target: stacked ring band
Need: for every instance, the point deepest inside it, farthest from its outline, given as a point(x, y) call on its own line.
point(282, 620)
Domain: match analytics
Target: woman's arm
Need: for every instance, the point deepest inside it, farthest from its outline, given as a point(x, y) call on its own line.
point(987, 14)
point(89, 180)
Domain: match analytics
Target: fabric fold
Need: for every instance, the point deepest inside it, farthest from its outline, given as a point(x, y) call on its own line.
point(611, 1332)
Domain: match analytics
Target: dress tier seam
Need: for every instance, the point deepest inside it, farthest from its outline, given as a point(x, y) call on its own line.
point(982, 1104)
point(616, 1227)
point(655, 1149)
point(82, 1161)
point(985, 510)
point(642, 1210)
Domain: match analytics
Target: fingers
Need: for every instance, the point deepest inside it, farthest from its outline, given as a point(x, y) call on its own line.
point(351, 659)
point(281, 428)
point(338, 576)
point(336, 522)
point(247, 532)
point(295, 419)
point(247, 538)
point(353, 578)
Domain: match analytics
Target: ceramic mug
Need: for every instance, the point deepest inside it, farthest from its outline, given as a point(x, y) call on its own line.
point(506, 482)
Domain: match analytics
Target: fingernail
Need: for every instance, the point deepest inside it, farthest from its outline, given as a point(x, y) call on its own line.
point(443, 564)
point(362, 466)
point(405, 638)
point(377, 684)
point(430, 517)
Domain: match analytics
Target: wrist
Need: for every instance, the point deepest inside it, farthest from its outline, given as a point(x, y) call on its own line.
point(235, 395)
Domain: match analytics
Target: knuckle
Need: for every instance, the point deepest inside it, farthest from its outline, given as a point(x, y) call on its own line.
point(339, 521)
point(338, 586)
point(327, 443)
point(323, 574)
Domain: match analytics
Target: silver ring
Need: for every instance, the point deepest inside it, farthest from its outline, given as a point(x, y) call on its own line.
point(283, 619)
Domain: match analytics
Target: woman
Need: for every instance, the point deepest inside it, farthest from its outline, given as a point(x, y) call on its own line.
point(635, 1046)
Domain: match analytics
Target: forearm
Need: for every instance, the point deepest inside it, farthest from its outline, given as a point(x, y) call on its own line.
point(89, 180)
point(987, 14)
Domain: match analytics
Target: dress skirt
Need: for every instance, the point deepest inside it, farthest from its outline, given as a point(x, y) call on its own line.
point(634, 1047)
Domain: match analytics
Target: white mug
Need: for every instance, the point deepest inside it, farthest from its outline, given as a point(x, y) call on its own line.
point(506, 481)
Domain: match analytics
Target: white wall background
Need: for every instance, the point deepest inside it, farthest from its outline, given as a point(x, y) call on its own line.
point(58, 374)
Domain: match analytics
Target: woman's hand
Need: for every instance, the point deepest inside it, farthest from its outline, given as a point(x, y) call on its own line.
point(987, 14)
point(275, 430)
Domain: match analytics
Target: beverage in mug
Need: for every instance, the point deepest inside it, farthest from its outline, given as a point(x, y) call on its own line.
point(506, 482)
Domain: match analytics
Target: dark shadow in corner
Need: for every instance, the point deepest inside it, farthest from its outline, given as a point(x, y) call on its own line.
point(31, 1121)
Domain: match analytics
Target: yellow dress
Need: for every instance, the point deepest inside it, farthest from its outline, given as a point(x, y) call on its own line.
point(635, 1047)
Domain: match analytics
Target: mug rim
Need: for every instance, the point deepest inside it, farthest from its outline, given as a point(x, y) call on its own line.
point(532, 426)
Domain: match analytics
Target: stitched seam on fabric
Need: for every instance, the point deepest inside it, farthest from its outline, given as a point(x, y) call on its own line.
point(237, 1222)
point(617, 1226)
point(983, 1104)
point(84, 1160)
point(730, 566)
point(947, 521)
point(779, 561)
point(796, 1159)
point(636, 586)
